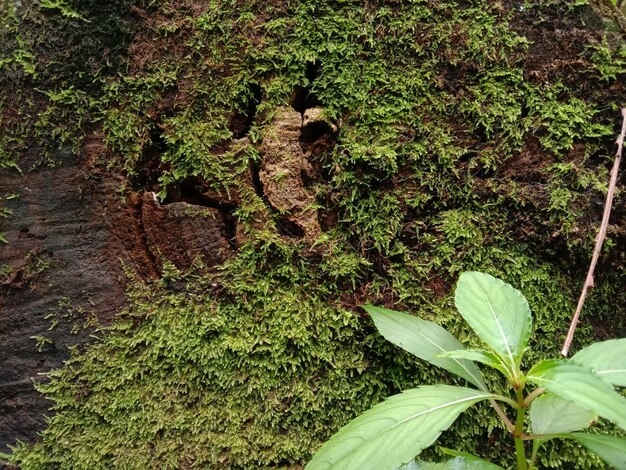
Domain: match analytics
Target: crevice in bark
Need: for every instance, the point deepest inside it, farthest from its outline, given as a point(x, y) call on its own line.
point(149, 167)
point(289, 228)
point(136, 211)
point(314, 131)
point(256, 180)
point(302, 97)
point(241, 122)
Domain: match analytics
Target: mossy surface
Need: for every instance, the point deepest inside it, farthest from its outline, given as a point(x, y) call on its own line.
point(460, 146)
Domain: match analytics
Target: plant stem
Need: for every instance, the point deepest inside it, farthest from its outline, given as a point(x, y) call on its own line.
point(504, 399)
point(519, 430)
point(507, 422)
point(531, 396)
point(519, 447)
point(533, 455)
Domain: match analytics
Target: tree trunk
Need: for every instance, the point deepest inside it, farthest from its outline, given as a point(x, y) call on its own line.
point(224, 184)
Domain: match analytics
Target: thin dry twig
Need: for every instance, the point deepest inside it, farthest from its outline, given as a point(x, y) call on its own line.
point(599, 238)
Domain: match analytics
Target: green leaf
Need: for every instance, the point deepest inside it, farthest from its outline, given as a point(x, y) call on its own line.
point(498, 313)
point(611, 449)
point(607, 359)
point(551, 414)
point(479, 355)
point(396, 430)
point(425, 340)
point(582, 386)
point(458, 463)
point(471, 458)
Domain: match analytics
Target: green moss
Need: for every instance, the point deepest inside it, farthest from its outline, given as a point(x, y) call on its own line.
point(609, 59)
point(52, 79)
point(559, 123)
point(5, 271)
point(271, 365)
point(256, 366)
point(62, 6)
point(17, 54)
point(495, 105)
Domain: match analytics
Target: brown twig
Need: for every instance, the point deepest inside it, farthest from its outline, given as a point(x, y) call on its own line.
point(599, 238)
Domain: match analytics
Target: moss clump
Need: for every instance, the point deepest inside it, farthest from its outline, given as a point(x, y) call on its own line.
point(51, 77)
point(182, 378)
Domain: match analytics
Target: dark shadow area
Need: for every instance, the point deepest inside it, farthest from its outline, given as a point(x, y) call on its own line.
point(314, 131)
point(256, 179)
point(303, 98)
point(149, 168)
point(240, 123)
point(288, 228)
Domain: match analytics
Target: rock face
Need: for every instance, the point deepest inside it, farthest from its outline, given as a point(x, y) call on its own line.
point(69, 232)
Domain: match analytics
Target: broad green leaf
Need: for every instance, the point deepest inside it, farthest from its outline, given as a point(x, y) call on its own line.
point(551, 414)
point(607, 359)
point(479, 355)
point(458, 463)
point(425, 340)
point(396, 430)
point(582, 386)
point(611, 449)
point(470, 458)
point(498, 313)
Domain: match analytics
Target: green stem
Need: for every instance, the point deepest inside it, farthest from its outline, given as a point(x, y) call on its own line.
point(504, 399)
point(533, 456)
point(519, 431)
point(521, 454)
